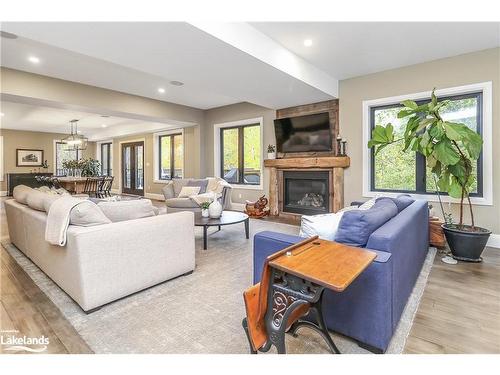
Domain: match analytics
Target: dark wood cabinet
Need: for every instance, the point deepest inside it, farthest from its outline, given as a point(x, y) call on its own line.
point(28, 179)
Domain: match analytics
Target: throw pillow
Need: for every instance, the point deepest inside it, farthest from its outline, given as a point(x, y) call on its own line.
point(127, 210)
point(35, 200)
point(87, 214)
point(368, 204)
point(403, 201)
point(325, 226)
point(20, 193)
point(201, 183)
point(48, 200)
point(187, 191)
point(356, 226)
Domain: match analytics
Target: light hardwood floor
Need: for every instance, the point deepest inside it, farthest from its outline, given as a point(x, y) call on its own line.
point(459, 311)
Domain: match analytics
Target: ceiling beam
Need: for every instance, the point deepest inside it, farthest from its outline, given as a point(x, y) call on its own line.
point(246, 38)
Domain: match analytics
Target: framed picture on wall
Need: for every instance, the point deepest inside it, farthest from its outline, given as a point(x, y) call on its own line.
point(29, 158)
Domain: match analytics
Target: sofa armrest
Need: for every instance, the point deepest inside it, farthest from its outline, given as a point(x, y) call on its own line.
point(168, 190)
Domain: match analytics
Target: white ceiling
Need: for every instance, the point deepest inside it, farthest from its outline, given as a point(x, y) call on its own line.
point(139, 57)
point(29, 117)
point(350, 49)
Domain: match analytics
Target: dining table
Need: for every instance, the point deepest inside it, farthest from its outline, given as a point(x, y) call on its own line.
point(74, 185)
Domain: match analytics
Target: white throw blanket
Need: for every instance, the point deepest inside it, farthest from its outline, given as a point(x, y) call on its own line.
point(215, 187)
point(58, 219)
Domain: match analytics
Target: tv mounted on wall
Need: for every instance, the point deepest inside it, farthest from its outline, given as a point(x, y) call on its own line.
point(309, 133)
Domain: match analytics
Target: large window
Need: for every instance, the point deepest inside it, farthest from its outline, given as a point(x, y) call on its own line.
point(171, 156)
point(61, 154)
point(395, 171)
point(106, 159)
point(240, 154)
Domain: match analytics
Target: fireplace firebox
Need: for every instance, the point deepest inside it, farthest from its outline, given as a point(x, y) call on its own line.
point(306, 192)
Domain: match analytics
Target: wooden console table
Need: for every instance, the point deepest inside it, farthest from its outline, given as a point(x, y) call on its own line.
point(293, 281)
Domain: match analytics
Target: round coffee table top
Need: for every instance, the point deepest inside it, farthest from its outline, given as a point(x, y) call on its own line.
point(227, 218)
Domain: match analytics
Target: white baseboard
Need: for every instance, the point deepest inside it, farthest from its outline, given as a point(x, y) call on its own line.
point(494, 241)
point(158, 197)
point(238, 206)
point(3, 193)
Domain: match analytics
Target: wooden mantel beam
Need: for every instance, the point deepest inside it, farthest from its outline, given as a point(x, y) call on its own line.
point(309, 162)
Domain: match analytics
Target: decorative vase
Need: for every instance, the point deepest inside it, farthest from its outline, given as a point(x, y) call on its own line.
point(78, 173)
point(204, 212)
point(215, 209)
point(271, 155)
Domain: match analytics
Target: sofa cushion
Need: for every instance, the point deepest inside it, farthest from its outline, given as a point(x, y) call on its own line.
point(87, 214)
point(168, 191)
point(356, 226)
point(402, 201)
point(127, 209)
point(35, 200)
point(201, 183)
point(187, 191)
point(20, 193)
point(325, 226)
point(181, 203)
point(178, 184)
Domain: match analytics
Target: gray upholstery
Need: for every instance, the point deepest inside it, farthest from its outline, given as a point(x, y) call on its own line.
point(172, 189)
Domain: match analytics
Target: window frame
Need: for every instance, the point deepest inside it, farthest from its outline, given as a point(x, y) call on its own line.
point(486, 121)
point(172, 156)
point(157, 154)
point(420, 162)
point(56, 142)
point(218, 147)
point(109, 160)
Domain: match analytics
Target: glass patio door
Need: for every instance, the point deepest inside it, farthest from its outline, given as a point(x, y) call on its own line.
point(133, 168)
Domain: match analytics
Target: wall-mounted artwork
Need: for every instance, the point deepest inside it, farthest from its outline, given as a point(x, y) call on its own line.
point(29, 158)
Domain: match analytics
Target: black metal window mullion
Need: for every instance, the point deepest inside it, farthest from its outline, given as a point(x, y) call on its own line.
point(241, 155)
point(420, 161)
point(172, 155)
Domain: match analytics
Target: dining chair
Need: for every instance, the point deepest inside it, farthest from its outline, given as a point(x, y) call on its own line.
point(91, 186)
point(105, 190)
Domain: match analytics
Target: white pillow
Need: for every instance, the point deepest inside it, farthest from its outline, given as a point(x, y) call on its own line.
point(127, 210)
point(187, 191)
point(35, 200)
point(20, 193)
point(368, 204)
point(87, 214)
point(325, 226)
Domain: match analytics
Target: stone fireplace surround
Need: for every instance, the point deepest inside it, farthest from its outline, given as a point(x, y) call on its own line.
point(334, 165)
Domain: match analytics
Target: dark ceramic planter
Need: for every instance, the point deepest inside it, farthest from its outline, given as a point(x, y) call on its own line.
point(464, 244)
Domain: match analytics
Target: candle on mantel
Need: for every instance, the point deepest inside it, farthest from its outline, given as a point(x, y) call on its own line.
point(339, 143)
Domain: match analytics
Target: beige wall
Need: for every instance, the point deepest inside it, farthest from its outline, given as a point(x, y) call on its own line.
point(236, 112)
point(456, 71)
point(191, 158)
point(14, 139)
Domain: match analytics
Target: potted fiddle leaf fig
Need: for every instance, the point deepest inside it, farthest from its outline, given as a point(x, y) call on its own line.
point(451, 149)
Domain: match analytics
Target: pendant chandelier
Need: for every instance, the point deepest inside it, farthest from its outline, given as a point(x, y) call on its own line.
point(75, 141)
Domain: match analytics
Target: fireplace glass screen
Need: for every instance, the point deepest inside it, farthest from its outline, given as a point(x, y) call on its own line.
point(306, 192)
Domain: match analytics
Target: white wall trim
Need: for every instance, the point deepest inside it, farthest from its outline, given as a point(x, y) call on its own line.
point(156, 150)
point(98, 153)
point(217, 150)
point(486, 88)
point(143, 140)
point(494, 241)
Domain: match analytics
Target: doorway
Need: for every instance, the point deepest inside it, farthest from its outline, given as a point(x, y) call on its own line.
point(133, 168)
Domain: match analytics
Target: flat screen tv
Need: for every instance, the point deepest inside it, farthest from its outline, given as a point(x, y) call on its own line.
point(309, 133)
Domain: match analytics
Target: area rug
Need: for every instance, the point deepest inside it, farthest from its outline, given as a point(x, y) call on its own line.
point(201, 312)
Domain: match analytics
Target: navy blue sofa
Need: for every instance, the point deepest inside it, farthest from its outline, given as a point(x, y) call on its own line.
point(370, 308)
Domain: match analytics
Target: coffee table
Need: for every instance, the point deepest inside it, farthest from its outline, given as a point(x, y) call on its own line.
point(227, 218)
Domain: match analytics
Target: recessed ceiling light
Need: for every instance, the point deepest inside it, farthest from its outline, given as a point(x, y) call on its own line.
point(161, 90)
point(177, 83)
point(308, 42)
point(105, 116)
point(5, 34)
point(2, 114)
point(33, 59)
point(103, 125)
